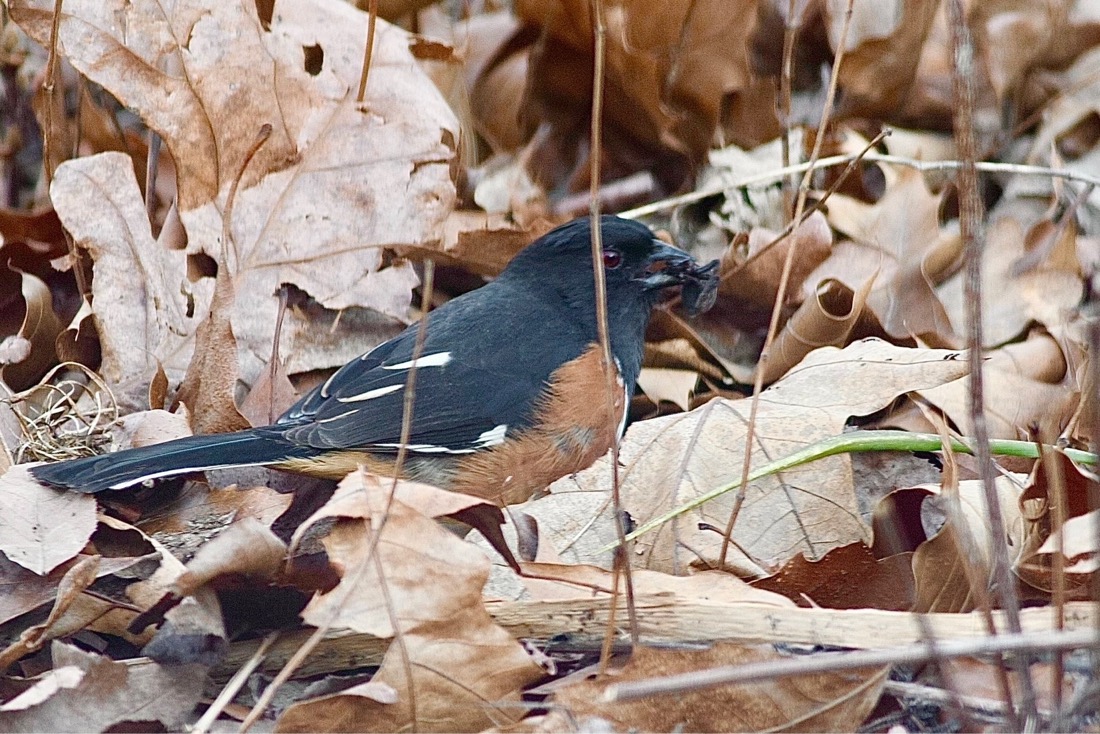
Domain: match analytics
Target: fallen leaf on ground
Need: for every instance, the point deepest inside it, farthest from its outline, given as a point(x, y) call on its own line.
point(108, 694)
point(836, 701)
point(810, 509)
point(41, 528)
point(423, 583)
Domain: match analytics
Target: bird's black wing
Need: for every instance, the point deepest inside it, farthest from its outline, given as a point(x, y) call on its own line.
point(478, 379)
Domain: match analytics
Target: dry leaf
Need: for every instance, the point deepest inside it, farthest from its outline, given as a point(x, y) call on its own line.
point(144, 306)
point(668, 69)
point(39, 331)
point(42, 528)
point(811, 509)
point(110, 693)
point(902, 240)
point(423, 580)
point(821, 702)
point(385, 170)
point(849, 577)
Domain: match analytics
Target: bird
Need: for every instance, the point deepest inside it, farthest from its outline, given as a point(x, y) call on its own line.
point(511, 391)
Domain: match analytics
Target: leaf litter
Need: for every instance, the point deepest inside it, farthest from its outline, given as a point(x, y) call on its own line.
point(462, 151)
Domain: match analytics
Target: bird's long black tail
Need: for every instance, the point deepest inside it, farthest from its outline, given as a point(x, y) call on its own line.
point(256, 447)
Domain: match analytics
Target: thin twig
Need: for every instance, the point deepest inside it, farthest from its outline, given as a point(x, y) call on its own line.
point(836, 661)
point(781, 296)
point(231, 198)
point(778, 174)
point(970, 222)
point(233, 687)
point(596, 141)
point(1056, 501)
point(790, 32)
point(368, 52)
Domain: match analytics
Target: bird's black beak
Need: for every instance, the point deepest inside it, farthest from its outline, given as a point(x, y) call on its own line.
point(665, 267)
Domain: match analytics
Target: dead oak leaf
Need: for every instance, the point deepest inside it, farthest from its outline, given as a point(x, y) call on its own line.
point(333, 184)
point(810, 509)
point(836, 701)
point(144, 306)
point(1010, 303)
point(423, 580)
point(41, 528)
point(904, 241)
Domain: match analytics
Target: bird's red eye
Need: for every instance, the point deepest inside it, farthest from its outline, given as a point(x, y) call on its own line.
point(612, 259)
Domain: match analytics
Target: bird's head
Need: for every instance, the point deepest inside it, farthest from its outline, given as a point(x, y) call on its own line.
point(639, 269)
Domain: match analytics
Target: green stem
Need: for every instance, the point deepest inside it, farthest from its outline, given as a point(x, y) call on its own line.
point(859, 441)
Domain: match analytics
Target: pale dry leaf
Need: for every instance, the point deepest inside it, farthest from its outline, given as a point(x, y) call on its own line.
point(1011, 303)
point(1013, 404)
point(902, 239)
point(141, 296)
point(332, 184)
point(810, 509)
point(110, 693)
point(836, 701)
point(426, 582)
point(432, 574)
point(47, 685)
point(40, 527)
point(152, 427)
point(39, 332)
point(1079, 536)
point(246, 547)
point(467, 675)
point(675, 386)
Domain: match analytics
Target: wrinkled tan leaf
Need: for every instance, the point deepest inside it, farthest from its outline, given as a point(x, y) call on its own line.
point(141, 296)
point(822, 702)
point(41, 528)
point(207, 75)
point(421, 561)
point(1011, 303)
point(426, 582)
point(110, 693)
point(1022, 390)
point(811, 509)
point(39, 331)
point(901, 239)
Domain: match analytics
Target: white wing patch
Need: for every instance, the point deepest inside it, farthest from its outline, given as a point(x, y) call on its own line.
point(428, 360)
point(371, 394)
point(425, 448)
point(492, 437)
